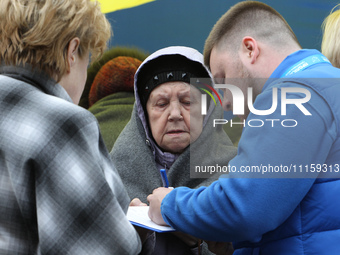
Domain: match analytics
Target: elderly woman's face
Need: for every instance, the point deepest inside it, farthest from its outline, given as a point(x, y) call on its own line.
point(169, 108)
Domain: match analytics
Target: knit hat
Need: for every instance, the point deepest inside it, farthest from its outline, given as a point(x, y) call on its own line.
point(166, 68)
point(117, 75)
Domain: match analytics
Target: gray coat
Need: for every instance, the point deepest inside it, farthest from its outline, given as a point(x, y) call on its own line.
point(135, 162)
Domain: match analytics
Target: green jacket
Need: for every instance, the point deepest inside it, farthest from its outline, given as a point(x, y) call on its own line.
point(113, 112)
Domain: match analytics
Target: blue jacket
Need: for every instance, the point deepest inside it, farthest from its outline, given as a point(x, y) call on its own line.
point(295, 215)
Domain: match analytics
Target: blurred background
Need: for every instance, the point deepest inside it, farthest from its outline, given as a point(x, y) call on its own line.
point(162, 23)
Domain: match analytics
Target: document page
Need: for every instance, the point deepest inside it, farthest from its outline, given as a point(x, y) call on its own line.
point(138, 215)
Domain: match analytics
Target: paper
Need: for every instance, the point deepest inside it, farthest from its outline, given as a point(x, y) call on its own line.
point(138, 215)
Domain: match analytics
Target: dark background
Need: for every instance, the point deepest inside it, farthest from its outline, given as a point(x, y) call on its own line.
point(165, 23)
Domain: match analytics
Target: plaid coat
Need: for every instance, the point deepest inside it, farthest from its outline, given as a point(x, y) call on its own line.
point(59, 193)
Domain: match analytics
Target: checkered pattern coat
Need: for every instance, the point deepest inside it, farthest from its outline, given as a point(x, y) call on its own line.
point(58, 191)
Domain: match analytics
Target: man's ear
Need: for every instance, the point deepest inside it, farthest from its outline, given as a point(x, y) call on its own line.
point(72, 52)
point(250, 49)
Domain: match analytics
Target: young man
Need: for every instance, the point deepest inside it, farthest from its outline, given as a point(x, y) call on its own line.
point(290, 131)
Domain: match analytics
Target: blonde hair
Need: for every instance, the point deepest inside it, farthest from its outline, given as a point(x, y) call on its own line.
point(38, 32)
point(249, 18)
point(331, 37)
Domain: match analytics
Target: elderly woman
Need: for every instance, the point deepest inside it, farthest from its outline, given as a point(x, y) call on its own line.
point(58, 191)
point(166, 122)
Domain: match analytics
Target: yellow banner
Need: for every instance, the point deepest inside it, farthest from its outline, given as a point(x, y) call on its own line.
point(115, 5)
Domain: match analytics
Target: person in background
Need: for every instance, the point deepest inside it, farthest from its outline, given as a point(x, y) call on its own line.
point(112, 96)
point(109, 93)
point(96, 66)
point(165, 127)
point(58, 191)
point(279, 211)
point(331, 37)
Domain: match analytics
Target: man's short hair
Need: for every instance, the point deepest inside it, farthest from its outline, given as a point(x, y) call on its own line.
point(249, 18)
point(37, 32)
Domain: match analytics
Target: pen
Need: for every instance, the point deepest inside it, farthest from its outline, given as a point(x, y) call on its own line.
point(164, 178)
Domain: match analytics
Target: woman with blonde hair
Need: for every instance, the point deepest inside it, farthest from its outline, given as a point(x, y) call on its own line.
point(331, 37)
point(58, 191)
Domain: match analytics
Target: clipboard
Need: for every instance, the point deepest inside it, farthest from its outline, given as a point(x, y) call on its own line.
point(138, 216)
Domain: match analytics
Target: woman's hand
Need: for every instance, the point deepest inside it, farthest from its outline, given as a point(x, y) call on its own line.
point(137, 202)
point(142, 232)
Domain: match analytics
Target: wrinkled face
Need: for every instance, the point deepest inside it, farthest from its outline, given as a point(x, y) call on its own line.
point(174, 110)
point(226, 70)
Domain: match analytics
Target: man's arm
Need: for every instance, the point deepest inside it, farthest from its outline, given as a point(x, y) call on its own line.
point(239, 209)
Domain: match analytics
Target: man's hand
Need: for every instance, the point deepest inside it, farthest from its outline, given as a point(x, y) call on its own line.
point(155, 199)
